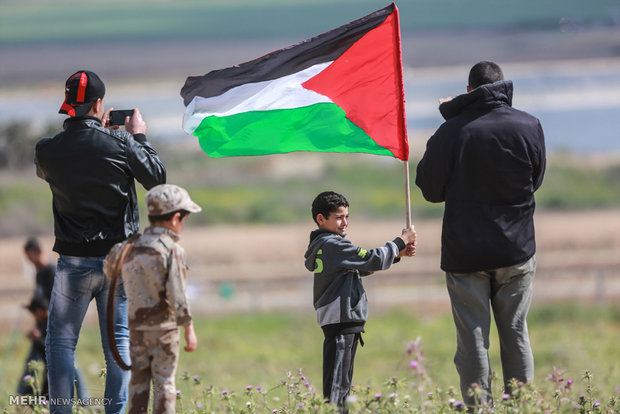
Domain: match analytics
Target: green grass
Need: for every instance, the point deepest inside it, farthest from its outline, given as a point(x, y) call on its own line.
point(568, 185)
point(240, 350)
point(246, 189)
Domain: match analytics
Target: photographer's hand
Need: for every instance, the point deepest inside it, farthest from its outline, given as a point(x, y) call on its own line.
point(135, 124)
point(105, 122)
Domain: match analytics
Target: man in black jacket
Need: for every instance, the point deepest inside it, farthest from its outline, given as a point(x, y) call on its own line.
point(91, 169)
point(485, 162)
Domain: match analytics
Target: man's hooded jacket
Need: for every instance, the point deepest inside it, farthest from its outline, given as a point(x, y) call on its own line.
point(484, 162)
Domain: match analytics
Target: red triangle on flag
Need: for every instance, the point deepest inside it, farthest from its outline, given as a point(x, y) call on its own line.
point(366, 82)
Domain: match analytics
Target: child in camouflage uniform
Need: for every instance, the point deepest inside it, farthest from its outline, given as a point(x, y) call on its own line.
point(153, 275)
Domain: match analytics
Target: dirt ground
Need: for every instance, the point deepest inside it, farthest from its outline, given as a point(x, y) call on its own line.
point(260, 267)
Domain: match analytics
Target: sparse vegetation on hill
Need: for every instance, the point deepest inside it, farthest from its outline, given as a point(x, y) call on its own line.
point(279, 188)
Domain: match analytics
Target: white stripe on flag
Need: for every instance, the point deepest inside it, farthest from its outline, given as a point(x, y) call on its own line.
point(281, 93)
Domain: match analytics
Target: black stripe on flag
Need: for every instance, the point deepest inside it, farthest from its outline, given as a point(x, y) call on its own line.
point(322, 48)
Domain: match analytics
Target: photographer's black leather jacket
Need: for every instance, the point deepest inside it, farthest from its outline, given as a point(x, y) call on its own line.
point(91, 172)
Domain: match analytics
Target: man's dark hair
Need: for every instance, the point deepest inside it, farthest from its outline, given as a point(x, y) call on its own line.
point(167, 216)
point(483, 73)
point(327, 202)
point(32, 245)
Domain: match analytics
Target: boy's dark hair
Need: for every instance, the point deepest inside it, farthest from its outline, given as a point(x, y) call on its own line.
point(167, 216)
point(483, 73)
point(32, 245)
point(327, 202)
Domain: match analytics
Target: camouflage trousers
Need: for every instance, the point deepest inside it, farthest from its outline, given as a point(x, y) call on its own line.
point(154, 357)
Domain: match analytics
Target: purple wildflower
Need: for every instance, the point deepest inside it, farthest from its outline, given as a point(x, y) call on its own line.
point(506, 397)
point(378, 395)
point(248, 388)
point(352, 398)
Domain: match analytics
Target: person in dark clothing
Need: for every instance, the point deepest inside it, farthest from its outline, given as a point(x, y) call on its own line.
point(485, 162)
point(91, 168)
point(45, 270)
point(44, 278)
point(339, 296)
point(38, 308)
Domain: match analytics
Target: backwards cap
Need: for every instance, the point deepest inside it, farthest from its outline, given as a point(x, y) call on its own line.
point(82, 89)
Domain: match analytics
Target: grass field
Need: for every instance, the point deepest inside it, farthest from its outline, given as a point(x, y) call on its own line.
point(236, 351)
point(228, 188)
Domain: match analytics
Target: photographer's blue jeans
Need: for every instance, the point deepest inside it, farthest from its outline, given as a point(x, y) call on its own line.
point(36, 355)
point(78, 281)
point(507, 292)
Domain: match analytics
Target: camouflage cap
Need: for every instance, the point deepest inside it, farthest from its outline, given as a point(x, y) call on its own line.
point(166, 198)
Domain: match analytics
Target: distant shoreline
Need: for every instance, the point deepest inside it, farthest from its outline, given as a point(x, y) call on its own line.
point(149, 75)
point(34, 64)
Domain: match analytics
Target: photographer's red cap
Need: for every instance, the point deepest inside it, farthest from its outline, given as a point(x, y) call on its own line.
point(82, 89)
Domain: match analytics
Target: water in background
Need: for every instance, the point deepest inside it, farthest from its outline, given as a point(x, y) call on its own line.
point(578, 102)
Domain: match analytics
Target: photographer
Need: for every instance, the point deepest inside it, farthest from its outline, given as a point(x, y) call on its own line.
point(91, 167)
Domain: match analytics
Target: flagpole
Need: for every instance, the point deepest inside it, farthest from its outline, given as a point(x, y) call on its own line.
point(403, 116)
point(407, 196)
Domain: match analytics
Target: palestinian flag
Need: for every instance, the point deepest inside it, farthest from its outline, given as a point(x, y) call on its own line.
point(341, 91)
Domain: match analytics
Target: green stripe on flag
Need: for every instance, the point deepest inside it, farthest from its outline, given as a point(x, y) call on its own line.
point(319, 127)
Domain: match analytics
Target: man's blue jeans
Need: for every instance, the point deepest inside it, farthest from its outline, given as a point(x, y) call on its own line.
point(507, 292)
point(78, 280)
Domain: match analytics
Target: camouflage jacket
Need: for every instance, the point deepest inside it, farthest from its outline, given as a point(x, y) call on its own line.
point(153, 274)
